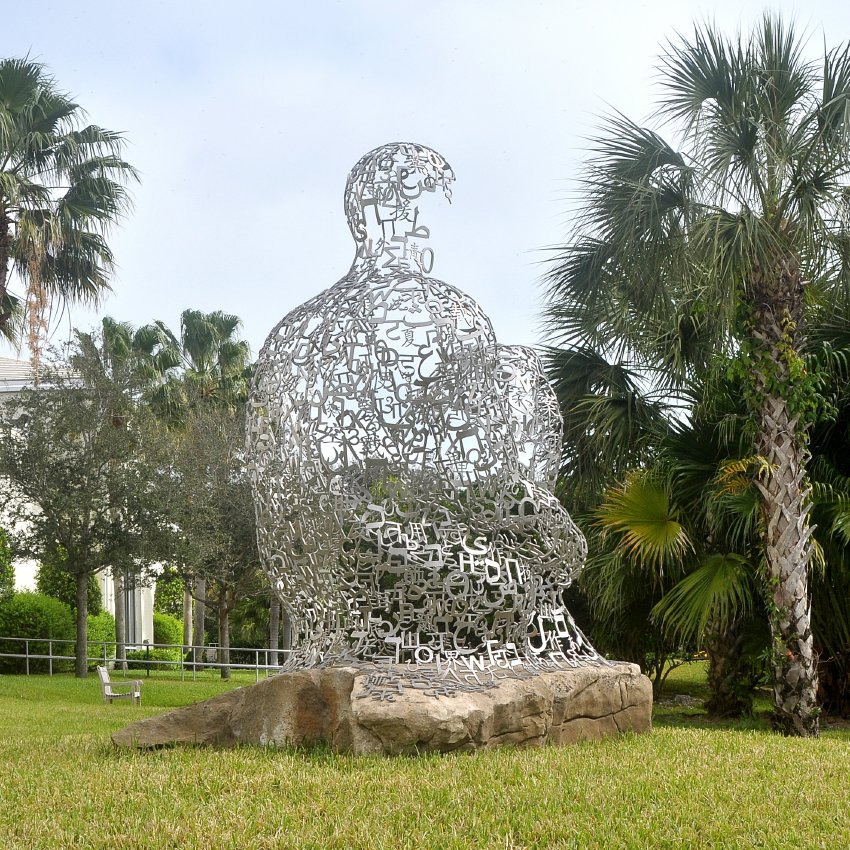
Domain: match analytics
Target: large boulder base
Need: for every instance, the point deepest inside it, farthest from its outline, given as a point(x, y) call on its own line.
point(332, 705)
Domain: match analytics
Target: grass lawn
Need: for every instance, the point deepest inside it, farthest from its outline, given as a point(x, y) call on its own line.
point(690, 783)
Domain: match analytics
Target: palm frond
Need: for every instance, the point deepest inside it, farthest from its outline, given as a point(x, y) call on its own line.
point(717, 592)
point(736, 475)
point(644, 524)
point(62, 185)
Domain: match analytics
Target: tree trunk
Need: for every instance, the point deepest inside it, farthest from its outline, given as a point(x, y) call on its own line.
point(286, 622)
point(200, 594)
point(81, 667)
point(224, 634)
point(187, 618)
point(5, 249)
point(785, 509)
point(777, 302)
point(274, 630)
point(731, 687)
point(118, 589)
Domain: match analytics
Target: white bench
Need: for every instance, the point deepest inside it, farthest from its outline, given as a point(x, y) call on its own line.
point(109, 693)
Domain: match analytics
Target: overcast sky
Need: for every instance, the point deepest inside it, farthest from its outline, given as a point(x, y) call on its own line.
point(244, 119)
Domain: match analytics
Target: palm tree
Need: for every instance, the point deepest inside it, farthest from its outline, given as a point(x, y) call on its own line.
point(671, 569)
point(830, 472)
point(207, 365)
point(639, 547)
point(721, 247)
point(674, 541)
point(612, 422)
point(62, 184)
point(206, 369)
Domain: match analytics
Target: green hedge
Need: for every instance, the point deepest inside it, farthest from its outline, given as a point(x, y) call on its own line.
point(136, 659)
point(34, 615)
point(101, 630)
point(167, 629)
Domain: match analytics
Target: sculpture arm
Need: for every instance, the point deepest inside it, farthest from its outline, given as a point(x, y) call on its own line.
point(533, 411)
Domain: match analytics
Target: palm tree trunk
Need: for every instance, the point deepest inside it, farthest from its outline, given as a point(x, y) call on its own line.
point(286, 622)
point(5, 247)
point(785, 508)
point(777, 302)
point(5, 254)
point(731, 692)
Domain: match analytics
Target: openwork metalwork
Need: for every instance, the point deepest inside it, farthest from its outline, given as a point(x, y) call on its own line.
point(403, 464)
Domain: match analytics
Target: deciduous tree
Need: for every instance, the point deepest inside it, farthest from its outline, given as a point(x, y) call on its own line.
point(83, 464)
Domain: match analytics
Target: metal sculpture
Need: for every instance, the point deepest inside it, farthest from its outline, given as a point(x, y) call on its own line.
point(403, 465)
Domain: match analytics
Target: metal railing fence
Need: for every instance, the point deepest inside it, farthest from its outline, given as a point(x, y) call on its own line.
point(191, 659)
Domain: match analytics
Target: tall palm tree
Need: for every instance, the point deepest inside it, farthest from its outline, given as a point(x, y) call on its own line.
point(206, 365)
point(695, 480)
point(722, 245)
point(62, 184)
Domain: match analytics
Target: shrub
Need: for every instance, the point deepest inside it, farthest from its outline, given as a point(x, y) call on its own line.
point(137, 658)
point(101, 631)
point(34, 615)
point(167, 629)
point(168, 596)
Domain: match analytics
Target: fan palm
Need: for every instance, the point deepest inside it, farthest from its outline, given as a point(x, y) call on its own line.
point(62, 184)
point(208, 364)
point(681, 254)
point(639, 547)
point(671, 546)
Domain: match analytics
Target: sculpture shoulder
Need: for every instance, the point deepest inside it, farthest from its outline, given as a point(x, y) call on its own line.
point(303, 321)
point(420, 300)
point(353, 301)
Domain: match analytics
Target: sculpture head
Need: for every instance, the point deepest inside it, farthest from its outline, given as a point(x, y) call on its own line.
point(382, 192)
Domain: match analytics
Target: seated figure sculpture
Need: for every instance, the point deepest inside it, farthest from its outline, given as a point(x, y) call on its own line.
point(403, 461)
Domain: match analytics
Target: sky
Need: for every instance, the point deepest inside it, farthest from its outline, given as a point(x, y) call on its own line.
point(245, 118)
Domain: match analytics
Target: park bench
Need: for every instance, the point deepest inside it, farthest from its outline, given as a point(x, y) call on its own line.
point(109, 692)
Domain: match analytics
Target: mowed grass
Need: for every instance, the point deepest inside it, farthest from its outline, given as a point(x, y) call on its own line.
point(690, 783)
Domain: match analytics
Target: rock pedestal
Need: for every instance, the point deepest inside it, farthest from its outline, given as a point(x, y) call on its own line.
point(334, 705)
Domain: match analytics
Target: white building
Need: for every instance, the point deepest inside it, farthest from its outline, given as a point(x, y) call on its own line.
point(16, 375)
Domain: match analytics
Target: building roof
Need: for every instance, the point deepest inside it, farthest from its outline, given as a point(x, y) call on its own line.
point(15, 375)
